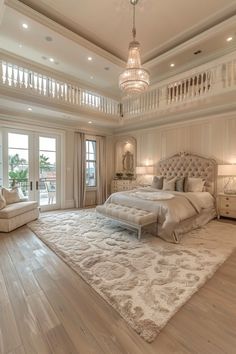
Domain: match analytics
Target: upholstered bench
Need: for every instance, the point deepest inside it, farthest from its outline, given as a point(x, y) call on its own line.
point(17, 214)
point(130, 217)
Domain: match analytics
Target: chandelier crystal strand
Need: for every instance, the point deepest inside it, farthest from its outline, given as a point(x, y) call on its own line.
point(135, 79)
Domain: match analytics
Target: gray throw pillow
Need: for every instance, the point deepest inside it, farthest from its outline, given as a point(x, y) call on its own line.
point(157, 182)
point(179, 184)
point(169, 184)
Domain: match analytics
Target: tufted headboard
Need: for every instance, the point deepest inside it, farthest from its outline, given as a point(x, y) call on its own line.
point(190, 165)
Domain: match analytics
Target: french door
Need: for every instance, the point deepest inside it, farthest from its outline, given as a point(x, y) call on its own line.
point(31, 162)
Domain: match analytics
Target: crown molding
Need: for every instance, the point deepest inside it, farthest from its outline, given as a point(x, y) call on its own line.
point(43, 20)
point(37, 121)
point(178, 118)
point(190, 43)
point(192, 121)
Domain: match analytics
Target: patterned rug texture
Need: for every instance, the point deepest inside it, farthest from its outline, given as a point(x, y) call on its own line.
point(146, 281)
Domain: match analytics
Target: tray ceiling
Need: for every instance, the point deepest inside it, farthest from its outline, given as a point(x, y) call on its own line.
point(161, 24)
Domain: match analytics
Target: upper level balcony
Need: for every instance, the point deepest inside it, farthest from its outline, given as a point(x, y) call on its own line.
point(209, 87)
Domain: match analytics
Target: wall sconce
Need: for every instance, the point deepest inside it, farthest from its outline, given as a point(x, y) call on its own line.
point(230, 172)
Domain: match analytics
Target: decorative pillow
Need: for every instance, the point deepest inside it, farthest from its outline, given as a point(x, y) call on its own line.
point(194, 184)
point(11, 195)
point(179, 184)
point(157, 182)
point(169, 184)
point(2, 201)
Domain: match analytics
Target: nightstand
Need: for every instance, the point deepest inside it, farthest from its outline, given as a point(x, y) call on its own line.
point(226, 205)
point(118, 185)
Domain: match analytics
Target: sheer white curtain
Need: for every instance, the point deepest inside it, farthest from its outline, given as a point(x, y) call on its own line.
point(79, 170)
point(101, 170)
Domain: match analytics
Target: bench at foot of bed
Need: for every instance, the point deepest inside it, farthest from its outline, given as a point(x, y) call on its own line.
point(129, 217)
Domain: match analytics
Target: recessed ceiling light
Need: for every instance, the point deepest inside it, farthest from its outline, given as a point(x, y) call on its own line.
point(229, 39)
point(90, 122)
point(29, 109)
point(20, 46)
point(172, 65)
point(90, 58)
point(106, 68)
point(51, 60)
point(25, 26)
point(91, 77)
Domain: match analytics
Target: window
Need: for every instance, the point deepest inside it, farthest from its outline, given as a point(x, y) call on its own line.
point(18, 161)
point(91, 163)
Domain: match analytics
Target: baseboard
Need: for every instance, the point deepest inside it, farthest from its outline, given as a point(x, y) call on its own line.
point(69, 204)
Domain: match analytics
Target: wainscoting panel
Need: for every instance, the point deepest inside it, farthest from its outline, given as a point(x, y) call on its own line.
point(214, 137)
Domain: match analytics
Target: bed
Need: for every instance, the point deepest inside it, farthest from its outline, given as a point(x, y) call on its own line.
point(173, 213)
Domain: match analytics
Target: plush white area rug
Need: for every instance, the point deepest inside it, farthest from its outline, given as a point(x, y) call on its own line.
point(146, 281)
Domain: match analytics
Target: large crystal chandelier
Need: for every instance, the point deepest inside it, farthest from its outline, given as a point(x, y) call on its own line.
point(134, 79)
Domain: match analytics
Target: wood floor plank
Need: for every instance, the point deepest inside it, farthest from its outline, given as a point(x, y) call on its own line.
point(19, 350)
point(9, 335)
point(31, 336)
point(78, 332)
point(60, 342)
point(43, 311)
point(3, 290)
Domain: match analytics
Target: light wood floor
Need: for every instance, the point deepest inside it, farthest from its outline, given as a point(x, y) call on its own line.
point(47, 308)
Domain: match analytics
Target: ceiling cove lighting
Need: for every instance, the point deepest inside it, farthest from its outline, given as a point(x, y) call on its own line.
point(135, 79)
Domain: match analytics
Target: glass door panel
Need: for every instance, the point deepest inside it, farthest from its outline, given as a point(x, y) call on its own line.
point(30, 161)
point(18, 162)
point(47, 186)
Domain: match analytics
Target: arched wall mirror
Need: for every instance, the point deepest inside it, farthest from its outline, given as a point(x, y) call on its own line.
point(125, 157)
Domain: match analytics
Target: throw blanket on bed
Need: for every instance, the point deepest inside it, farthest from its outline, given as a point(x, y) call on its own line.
point(152, 196)
point(169, 212)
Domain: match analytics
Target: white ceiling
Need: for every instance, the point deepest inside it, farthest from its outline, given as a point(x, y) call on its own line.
point(169, 31)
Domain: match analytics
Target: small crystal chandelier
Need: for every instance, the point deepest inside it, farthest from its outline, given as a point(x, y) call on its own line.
point(134, 80)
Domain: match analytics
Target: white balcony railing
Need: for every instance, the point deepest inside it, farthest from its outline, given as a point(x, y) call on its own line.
point(207, 80)
point(17, 76)
point(211, 79)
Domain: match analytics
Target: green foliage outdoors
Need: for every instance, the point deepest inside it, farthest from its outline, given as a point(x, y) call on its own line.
point(18, 170)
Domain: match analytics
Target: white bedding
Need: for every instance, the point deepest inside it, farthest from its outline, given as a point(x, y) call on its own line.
point(169, 211)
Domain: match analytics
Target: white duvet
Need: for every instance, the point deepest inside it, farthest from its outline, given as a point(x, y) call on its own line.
point(170, 208)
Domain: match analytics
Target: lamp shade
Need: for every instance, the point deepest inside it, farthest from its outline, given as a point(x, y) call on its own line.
point(144, 170)
point(226, 170)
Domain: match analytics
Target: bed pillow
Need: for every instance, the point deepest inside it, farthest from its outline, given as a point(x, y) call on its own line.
point(179, 184)
point(194, 184)
point(157, 182)
point(169, 184)
point(2, 201)
point(11, 195)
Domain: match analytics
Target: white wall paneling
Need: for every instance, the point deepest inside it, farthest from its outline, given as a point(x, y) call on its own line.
point(213, 136)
